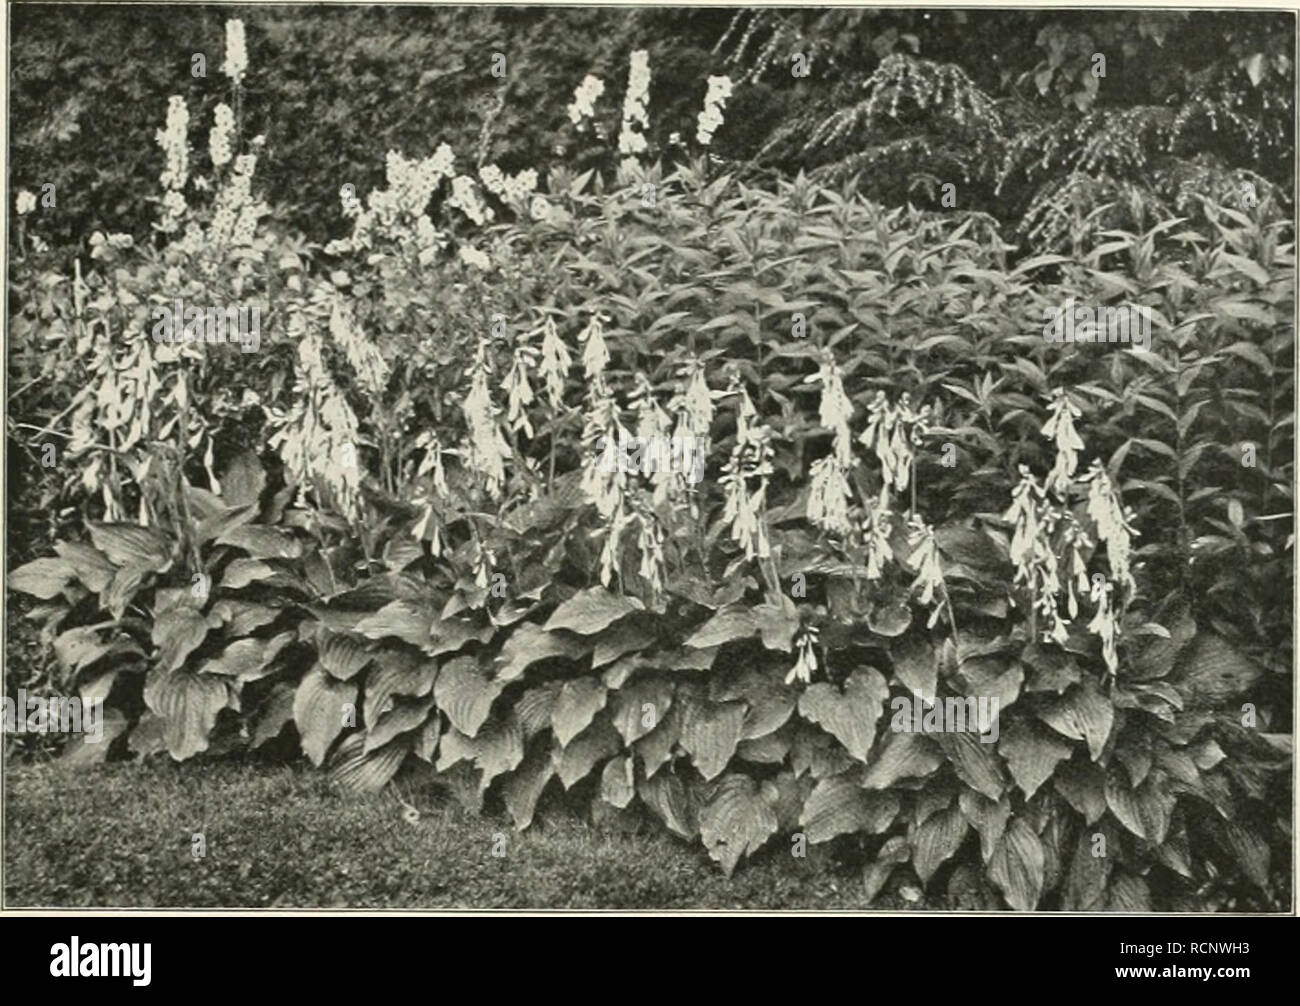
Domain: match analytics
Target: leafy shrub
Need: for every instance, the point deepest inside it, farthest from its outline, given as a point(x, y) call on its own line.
point(430, 559)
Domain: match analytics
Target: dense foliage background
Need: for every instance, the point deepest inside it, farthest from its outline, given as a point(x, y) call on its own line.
point(393, 505)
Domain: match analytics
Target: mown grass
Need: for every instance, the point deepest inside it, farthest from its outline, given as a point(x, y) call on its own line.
point(121, 835)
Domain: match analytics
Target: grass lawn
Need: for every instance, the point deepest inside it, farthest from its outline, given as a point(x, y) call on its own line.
point(120, 835)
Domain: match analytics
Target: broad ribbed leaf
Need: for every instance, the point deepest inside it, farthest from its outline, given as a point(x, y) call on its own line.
point(876, 874)
point(263, 542)
point(90, 567)
point(405, 620)
point(274, 713)
point(588, 612)
point(178, 633)
point(393, 673)
point(1144, 810)
point(988, 817)
point(1211, 672)
point(614, 642)
point(465, 694)
point(839, 806)
point(727, 625)
point(710, 733)
point(671, 802)
point(80, 647)
point(188, 705)
point(530, 643)
point(1085, 884)
point(366, 770)
point(498, 748)
point(975, 762)
point(1032, 754)
point(1084, 787)
point(524, 786)
point(534, 707)
point(577, 758)
point(736, 821)
point(849, 716)
point(617, 787)
point(43, 578)
point(405, 716)
point(656, 747)
point(639, 707)
point(904, 756)
point(578, 702)
point(1082, 713)
point(132, 545)
point(937, 839)
point(1017, 866)
point(917, 667)
point(318, 711)
point(344, 656)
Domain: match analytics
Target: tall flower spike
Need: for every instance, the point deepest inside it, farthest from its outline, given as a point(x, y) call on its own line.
point(1060, 427)
point(835, 410)
point(631, 140)
point(556, 362)
point(487, 449)
point(236, 51)
point(1113, 526)
point(829, 496)
point(519, 389)
point(595, 354)
point(925, 558)
point(711, 117)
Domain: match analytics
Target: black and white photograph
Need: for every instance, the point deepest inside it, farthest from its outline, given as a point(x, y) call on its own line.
point(651, 459)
